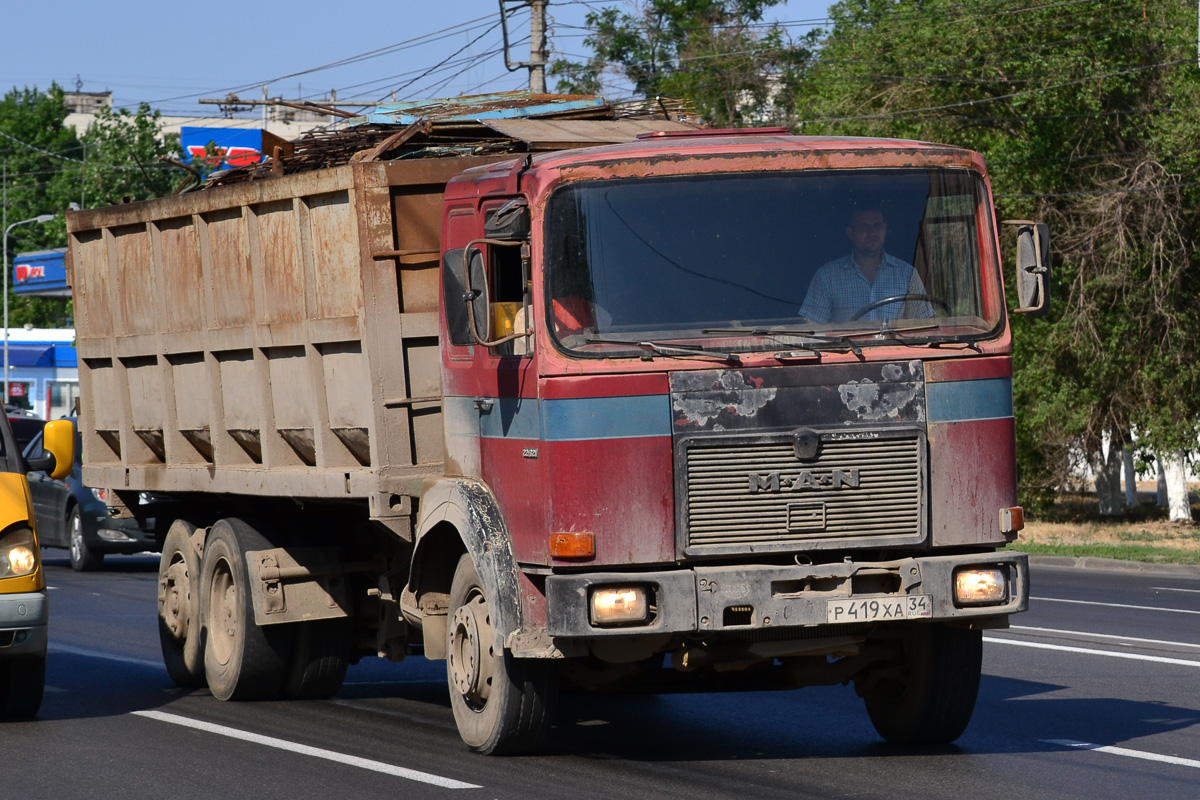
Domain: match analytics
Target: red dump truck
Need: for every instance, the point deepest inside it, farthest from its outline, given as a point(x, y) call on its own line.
point(689, 409)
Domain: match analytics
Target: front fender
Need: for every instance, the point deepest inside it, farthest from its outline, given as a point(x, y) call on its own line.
point(468, 505)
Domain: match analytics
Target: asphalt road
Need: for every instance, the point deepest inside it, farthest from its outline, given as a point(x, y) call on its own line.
point(1092, 694)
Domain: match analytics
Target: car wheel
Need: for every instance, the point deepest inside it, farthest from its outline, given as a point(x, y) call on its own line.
point(22, 682)
point(83, 558)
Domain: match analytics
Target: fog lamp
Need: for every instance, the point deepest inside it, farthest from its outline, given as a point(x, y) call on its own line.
point(980, 585)
point(17, 554)
point(612, 606)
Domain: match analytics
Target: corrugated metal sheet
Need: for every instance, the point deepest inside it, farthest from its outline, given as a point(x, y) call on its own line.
point(548, 134)
point(506, 105)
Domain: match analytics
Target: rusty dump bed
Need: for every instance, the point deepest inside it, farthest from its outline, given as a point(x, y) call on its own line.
point(277, 338)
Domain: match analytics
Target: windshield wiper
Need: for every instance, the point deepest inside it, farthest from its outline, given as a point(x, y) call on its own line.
point(669, 350)
point(844, 341)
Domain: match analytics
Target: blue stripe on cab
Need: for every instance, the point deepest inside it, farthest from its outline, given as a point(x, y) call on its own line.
point(959, 401)
point(606, 418)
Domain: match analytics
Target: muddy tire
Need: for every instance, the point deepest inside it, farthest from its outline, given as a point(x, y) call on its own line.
point(502, 705)
point(83, 558)
point(320, 657)
point(932, 702)
point(179, 632)
point(22, 683)
point(241, 660)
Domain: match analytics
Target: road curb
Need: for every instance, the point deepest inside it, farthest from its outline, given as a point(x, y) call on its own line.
point(1113, 565)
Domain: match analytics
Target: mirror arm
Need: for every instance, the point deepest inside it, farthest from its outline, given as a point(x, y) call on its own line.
point(469, 295)
point(45, 463)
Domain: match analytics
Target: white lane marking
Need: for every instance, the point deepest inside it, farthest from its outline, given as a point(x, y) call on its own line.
point(1089, 651)
point(1113, 605)
point(81, 651)
point(1086, 635)
point(303, 749)
point(1173, 589)
point(1124, 751)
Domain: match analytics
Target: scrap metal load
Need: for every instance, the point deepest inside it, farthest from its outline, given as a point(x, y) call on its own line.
point(480, 125)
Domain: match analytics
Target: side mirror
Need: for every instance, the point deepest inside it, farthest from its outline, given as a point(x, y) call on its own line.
point(457, 297)
point(58, 446)
point(1033, 268)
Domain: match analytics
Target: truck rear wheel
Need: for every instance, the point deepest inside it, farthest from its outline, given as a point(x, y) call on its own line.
point(22, 683)
point(502, 705)
point(179, 606)
point(932, 701)
point(242, 661)
point(319, 659)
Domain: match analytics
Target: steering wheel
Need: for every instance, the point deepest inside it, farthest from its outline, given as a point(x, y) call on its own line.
point(899, 298)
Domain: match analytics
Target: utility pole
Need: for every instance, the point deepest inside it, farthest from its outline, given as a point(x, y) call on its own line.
point(537, 43)
point(537, 47)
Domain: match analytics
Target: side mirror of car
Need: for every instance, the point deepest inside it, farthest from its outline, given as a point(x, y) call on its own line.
point(58, 450)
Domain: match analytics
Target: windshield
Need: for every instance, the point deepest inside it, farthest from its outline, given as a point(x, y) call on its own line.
point(746, 262)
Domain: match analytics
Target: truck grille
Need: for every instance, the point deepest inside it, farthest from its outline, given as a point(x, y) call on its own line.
point(749, 496)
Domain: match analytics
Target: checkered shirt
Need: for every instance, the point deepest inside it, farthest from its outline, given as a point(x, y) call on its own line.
point(839, 289)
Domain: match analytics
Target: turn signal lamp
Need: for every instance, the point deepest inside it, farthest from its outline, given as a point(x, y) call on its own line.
point(17, 556)
point(616, 605)
point(573, 544)
point(980, 585)
point(1012, 519)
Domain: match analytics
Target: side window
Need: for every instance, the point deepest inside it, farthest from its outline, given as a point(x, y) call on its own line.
point(34, 448)
point(509, 296)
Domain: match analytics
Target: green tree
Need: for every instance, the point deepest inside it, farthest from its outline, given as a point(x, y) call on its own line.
point(1085, 111)
point(715, 54)
point(35, 147)
point(125, 157)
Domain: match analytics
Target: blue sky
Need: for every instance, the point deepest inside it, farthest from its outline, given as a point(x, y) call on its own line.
point(170, 53)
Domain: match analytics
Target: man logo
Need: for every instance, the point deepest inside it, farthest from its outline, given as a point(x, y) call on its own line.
point(805, 480)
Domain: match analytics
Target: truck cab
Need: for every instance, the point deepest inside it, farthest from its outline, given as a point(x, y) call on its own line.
point(716, 441)
point(24, 611)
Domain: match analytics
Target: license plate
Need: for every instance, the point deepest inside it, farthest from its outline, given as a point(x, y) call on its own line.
point(879, 609)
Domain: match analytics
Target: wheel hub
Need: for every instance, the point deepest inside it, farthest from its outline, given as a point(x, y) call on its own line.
point(471, 652)
point(174, 594)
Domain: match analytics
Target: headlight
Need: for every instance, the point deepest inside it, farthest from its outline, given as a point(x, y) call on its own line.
point(612, 606)
point(18, 554)
point(978, 585)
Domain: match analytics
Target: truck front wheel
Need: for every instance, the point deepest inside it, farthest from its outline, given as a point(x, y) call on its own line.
point(242, 661)
point(502, 705)
point(933, 697)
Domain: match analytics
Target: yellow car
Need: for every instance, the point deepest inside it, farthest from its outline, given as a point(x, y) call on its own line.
point(23, 608)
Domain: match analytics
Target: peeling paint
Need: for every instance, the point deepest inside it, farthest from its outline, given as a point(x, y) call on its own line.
point(735, 394)
point(875, 401)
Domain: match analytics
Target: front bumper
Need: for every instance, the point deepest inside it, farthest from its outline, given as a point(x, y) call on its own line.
point(23, 624)
point(742, 598)
point(106, 534)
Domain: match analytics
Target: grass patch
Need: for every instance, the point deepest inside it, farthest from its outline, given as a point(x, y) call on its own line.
point(1124, 552)
point(1072, 526)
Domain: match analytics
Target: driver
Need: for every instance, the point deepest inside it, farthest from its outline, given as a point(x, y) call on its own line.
point(867, 275)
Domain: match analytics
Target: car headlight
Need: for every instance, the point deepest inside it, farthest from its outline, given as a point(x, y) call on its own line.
point(18, 554)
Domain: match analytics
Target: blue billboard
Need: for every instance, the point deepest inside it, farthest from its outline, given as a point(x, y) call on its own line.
point(238, 147)
point(41, 273)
